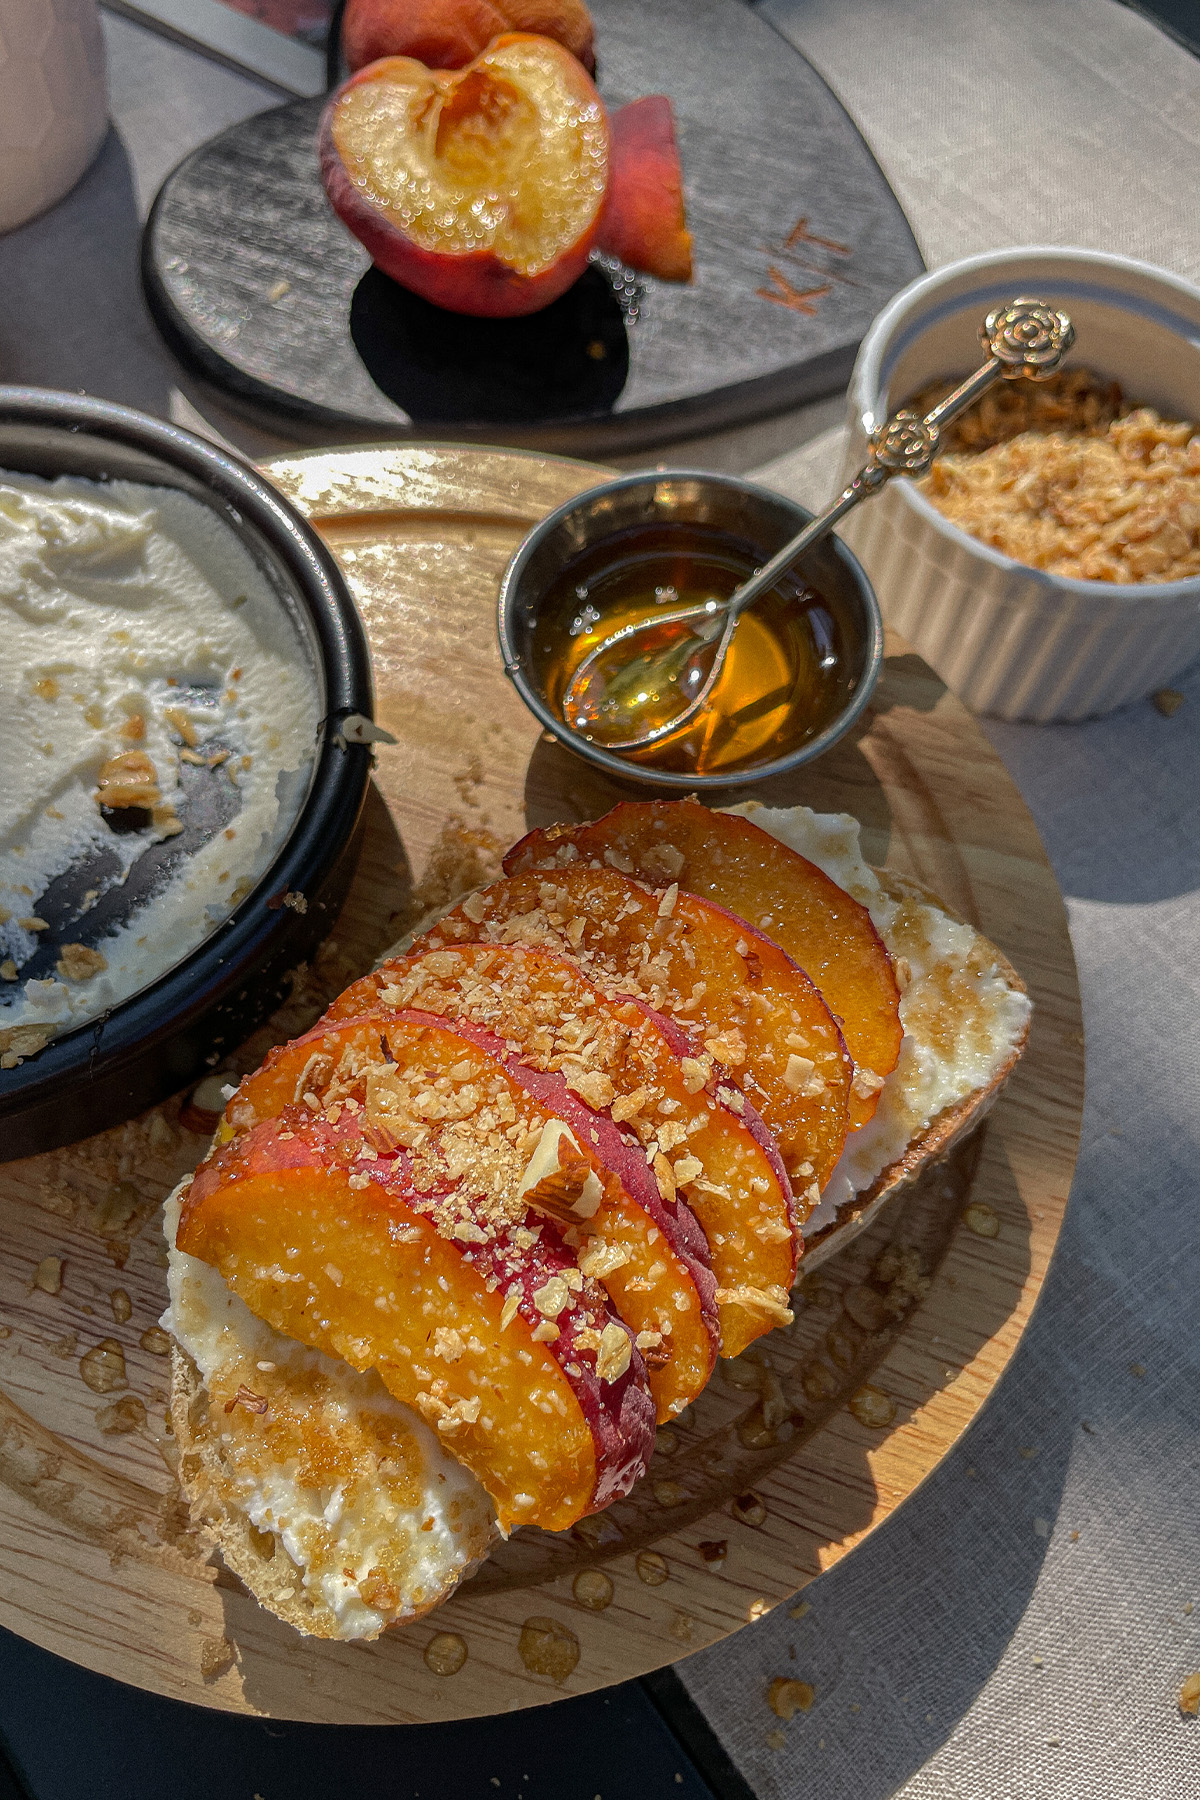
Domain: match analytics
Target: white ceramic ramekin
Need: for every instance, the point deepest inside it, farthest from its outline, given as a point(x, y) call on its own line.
point(1010, 640)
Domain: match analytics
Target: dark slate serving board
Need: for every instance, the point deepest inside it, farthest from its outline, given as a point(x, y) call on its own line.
point(798, 242)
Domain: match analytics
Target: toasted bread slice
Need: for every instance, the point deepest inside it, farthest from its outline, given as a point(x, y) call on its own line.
point(388, 1523)
point(943, 1132)
point(333, 1503)
point(966, 1015)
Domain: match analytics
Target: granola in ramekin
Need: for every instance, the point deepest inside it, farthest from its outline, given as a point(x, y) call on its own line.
point(1065, 476)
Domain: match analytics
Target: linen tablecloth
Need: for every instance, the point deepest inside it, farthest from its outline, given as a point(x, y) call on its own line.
point(1020, 1628)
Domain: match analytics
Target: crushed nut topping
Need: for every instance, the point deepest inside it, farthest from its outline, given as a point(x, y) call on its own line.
point(128, 780)
point(866, 1083)
point(598, 1258)
point(77, 962)
point(767, 1303)
point(448, 1344)
point(253, 1403)
point(552, 1298)
point(614, 1353)
point(729, 1047)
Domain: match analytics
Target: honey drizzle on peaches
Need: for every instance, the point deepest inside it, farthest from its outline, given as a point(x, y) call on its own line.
point(494, 1335)
point(469, 1128)
point(618, 1055)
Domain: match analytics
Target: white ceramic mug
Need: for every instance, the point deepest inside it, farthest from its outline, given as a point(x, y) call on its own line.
point(53, 101)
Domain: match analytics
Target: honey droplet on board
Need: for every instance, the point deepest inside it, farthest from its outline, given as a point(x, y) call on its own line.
point(749, 1509)
point(446, 1653)
point(155, 1340)
point(103, 1368)
point(652, 1568)
point(48, 1275)
point(114, 1212)
point(548, 1648)
point(867, 1308)
point(122, 1305)
point(982, 1219)
point(122, 1416)
point(871, 1406)
point(593, 1589)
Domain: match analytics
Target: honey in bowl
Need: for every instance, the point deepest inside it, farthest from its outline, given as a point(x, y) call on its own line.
point(784, 681)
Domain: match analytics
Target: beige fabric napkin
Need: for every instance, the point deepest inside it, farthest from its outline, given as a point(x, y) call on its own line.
point(974, 1648)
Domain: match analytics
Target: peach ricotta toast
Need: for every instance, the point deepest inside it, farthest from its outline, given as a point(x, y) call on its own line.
point(457, 1251)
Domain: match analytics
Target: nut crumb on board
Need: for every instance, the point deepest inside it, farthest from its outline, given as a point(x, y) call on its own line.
point(216, 1656)
point(786, 1697)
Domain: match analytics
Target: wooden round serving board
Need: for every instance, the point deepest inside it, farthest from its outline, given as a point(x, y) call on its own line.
point(97, 1560)
point(799, 241)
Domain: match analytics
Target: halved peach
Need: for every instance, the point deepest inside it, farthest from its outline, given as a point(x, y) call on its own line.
point(650, 1258)
point(480, 189)
point(500, 1344)
point(645, 221)
point(624, 1058)
point(740, 997)
point(728, 859)
point(447, 34)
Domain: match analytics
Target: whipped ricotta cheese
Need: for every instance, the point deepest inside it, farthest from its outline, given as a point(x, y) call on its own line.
point(379, 1521)
point(961, 1018)
point(139, 635)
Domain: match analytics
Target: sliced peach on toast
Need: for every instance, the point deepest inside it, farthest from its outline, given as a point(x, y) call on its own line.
point(501, 1345)
point(511, 1141)
point(739, 996)
point(620, 1056)
point(727, 858)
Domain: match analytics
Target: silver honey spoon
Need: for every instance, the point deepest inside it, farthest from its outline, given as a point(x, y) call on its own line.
point(616, 683)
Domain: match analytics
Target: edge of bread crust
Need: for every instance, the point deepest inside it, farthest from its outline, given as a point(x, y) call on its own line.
point(940, 1136)
point(219, 1518)
point(268, 1575)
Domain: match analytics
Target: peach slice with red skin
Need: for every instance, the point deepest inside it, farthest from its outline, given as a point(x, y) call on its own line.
point(650, 1258)
point(735, 992)
point(640, 1066)
point(728, 859)
point(326, 1240)
point(645, 220)
point(447, 34)
point(480, 189)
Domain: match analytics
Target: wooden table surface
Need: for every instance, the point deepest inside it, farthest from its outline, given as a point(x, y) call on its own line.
point(97, 1559)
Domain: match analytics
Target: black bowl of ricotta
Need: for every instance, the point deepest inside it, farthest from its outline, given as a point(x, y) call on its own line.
point(123, 1046)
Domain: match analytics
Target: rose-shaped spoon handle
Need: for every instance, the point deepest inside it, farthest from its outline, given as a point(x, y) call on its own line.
point(1025, 338)
point(607, 696)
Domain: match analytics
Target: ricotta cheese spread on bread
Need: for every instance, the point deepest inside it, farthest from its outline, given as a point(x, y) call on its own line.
point(349, 1512)
point(963, 1019)
point(150, 669)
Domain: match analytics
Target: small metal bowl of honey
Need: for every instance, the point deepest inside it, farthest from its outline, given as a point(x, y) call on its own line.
point(801, 666)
